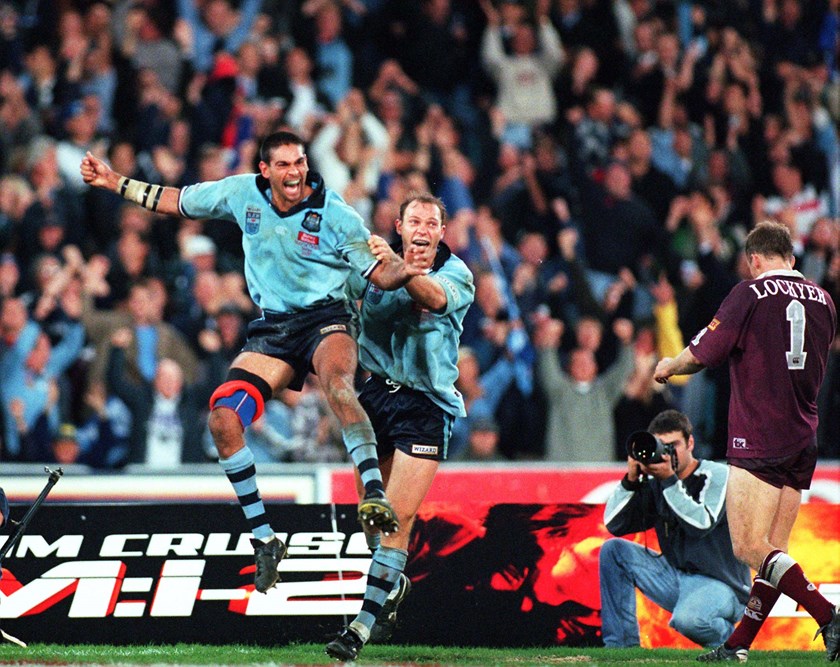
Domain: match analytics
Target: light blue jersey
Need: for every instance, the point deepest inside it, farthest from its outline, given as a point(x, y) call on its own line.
point(293, 260)
point(412, 346)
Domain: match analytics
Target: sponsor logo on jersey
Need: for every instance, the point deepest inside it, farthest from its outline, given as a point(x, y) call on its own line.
point(252, 219)
point(739, 443)
point(428, 450)
point(312, 222)
point(714, 324)
point(311, 239)
point(333, 327)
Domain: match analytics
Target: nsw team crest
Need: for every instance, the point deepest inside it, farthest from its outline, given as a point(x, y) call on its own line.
point(374, 294)
point(252, 220)
point(312, 222)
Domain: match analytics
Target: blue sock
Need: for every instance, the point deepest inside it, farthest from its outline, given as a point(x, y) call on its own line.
point(383, 574)
point(360, 441)
point(373, 541)
point(242, 473)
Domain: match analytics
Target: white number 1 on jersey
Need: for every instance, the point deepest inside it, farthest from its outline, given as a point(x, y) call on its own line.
point(796, 316)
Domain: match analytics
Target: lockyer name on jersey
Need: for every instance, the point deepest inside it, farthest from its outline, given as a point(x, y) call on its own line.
point(796, 289)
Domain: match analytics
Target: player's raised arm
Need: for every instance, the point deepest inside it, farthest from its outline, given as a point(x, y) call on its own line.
point(156, 198)
point(391, 272)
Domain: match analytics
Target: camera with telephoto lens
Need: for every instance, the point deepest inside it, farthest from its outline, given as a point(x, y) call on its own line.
point(646, 448)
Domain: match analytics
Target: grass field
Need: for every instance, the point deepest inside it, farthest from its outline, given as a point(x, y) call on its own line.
point(313, 654)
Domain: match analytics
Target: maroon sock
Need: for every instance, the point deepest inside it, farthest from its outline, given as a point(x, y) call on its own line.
point(762, 598)
point(795, 585)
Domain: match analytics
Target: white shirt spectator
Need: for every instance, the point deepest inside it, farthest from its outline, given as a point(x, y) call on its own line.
point(808, 204)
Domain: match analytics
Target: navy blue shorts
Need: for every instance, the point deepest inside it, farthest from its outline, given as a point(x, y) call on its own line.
point(293, 337)
point(405, 419)
point(795, 471)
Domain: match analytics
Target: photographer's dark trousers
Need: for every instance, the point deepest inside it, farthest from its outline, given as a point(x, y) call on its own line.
point(702, 609)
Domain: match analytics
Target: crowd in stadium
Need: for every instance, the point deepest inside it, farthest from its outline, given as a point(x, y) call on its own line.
point(601, 162)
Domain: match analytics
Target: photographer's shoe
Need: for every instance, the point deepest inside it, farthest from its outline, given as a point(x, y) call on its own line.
point(723, 654)
point(267, 556)
point(376, 514)
point(387, 621)
point(346, 646)
point(831, 635)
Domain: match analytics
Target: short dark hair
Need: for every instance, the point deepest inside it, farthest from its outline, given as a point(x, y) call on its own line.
point(769, 239)
point(272, 141)
point(424, 198)
point(669, 421)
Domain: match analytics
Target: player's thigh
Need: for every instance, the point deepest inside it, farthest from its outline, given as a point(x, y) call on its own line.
point(276, 372)
point(786, 514)
point(409, 482)
point(751, 507)
point(335, 354)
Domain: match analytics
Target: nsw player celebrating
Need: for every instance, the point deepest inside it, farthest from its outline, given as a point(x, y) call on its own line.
point(302, 242)
point(409, 343)
point(776, 331)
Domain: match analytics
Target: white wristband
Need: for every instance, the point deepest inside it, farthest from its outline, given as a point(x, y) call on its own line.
point(145, 194)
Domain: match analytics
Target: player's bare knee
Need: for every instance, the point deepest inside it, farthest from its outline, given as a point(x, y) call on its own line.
point(340, 392)
point(224, 426)
point(336, 380)
point(217, 421)
point(747, 552)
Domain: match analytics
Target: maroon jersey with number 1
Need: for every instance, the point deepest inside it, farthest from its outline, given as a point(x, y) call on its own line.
point(776, 331)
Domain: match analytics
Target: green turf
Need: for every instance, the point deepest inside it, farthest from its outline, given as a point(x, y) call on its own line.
point(312, 654)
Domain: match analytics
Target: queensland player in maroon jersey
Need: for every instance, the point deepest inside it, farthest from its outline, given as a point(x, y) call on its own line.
point(775, 330)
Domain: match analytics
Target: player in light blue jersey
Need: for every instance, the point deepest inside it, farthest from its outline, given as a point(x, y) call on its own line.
point(409, 343)
point(302, 244)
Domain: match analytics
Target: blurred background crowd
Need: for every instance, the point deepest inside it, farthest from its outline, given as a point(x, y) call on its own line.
point(601, 162)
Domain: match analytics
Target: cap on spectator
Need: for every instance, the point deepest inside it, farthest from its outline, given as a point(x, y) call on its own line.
point(484, 424)
point(66, 432)
point(198, 245)
point(8, 258)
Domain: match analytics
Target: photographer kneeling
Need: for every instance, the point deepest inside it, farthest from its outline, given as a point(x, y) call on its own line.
point(696, 577)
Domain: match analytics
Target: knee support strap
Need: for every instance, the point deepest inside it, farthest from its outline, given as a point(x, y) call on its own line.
point(243, 392)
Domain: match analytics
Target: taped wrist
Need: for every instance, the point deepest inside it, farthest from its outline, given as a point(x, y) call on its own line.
point(145, 194)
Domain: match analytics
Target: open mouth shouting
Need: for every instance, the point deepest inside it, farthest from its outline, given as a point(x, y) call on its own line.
point(293, 187)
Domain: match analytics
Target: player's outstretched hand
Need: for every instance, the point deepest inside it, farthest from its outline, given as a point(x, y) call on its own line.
point(381, 250)
point(420, 256)
point(95, 172)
